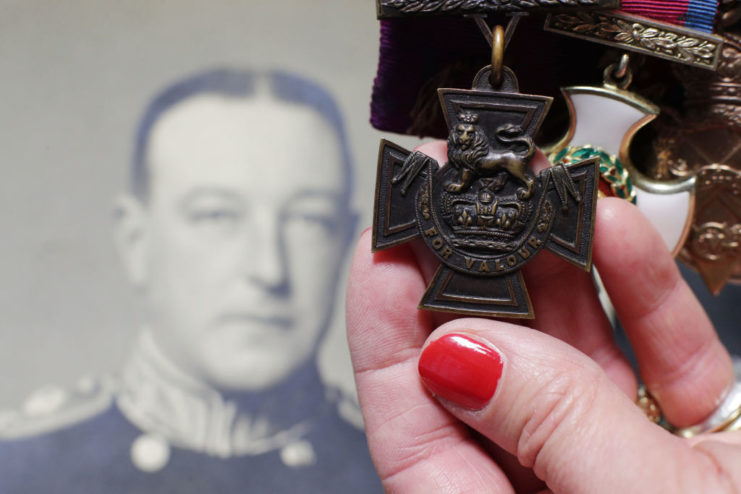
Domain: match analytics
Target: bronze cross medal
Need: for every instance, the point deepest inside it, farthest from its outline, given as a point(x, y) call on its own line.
point(484, 213)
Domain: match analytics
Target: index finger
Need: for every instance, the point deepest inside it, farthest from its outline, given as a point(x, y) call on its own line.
point(416, 445)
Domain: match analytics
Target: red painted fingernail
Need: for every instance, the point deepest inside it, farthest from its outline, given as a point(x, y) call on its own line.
point(460, 369)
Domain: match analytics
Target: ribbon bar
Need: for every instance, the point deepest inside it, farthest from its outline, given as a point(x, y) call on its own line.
point(642, 35)
point(404, 8)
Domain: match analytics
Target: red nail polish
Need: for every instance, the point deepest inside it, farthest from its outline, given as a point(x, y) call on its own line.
point(460, 369)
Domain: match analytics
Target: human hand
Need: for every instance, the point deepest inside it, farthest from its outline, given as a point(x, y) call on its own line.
point(510, 402)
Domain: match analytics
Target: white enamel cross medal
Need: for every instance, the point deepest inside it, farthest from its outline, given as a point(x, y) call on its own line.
point(484, 214)
point(603, 122)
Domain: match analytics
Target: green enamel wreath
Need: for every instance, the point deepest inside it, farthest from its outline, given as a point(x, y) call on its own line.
point(611, 170)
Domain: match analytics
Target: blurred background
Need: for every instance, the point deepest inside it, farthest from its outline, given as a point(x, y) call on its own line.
point(76, 78)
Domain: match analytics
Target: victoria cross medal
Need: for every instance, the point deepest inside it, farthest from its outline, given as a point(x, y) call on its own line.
point(484, 213)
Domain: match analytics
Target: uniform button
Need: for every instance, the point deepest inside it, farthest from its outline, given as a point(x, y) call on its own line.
point(298, 454)
point(86, 385)
point(150, 453)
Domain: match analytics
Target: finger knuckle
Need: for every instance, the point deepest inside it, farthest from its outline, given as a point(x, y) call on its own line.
point(560, 406)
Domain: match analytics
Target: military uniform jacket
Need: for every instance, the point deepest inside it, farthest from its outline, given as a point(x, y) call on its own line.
point(140, 436)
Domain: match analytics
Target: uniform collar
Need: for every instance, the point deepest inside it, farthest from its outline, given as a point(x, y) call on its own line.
point(160, 399)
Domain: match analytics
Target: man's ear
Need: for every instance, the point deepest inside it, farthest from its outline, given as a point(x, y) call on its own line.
point(131, 238)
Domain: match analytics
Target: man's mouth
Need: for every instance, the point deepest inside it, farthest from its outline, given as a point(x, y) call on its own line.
point(268, 319)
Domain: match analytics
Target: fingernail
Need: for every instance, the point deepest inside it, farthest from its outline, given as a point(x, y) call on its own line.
point(460, 369)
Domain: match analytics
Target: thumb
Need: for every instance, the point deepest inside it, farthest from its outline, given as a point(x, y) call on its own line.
point(556, 411)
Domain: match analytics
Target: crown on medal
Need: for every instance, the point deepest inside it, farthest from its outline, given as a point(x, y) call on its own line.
point(486, 217)
point(468, 117)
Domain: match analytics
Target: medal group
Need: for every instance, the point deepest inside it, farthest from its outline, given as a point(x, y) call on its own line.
point(484, 213)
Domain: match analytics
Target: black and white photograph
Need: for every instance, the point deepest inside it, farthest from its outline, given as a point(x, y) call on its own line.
point(180, 213)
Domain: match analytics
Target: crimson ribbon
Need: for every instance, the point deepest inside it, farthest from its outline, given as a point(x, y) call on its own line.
point(416, 52)
point(693, 14)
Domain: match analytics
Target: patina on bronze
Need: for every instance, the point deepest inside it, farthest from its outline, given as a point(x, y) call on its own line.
point(484, 213)
point(401, 8)
point(714, 246)
point(700, 145)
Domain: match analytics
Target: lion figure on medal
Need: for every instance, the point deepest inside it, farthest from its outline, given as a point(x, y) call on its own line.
point(484, 202)
point(469, 151)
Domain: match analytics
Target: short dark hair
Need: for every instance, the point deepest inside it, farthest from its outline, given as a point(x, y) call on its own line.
point(283, 86)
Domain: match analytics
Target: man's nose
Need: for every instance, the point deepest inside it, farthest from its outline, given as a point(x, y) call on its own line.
point(267, 267)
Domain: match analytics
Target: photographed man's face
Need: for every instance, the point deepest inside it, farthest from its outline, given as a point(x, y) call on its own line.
point(243, 233)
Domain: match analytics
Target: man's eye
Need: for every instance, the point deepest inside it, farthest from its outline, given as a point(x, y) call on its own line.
point(220, 216)
point(327, 222)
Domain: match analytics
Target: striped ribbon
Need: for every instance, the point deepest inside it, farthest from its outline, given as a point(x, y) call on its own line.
point(693, 14)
